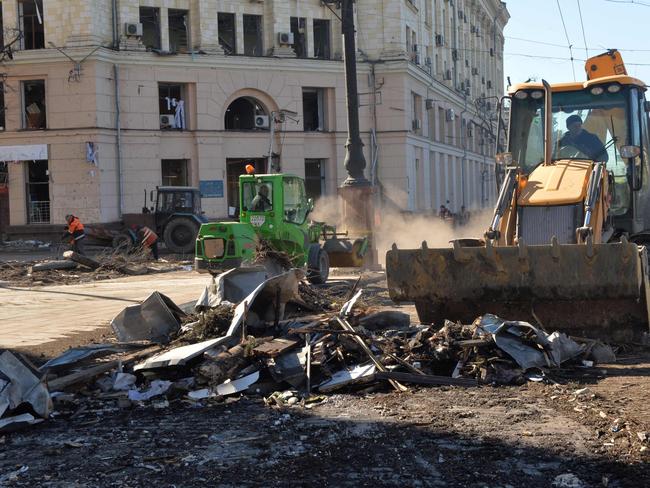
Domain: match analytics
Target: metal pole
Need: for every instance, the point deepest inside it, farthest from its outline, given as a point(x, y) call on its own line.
point(354, 162)
point(269, 166)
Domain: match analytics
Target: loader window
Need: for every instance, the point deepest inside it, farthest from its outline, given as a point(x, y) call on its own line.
point(603, 127)
point(257, 196)
point(295, 202)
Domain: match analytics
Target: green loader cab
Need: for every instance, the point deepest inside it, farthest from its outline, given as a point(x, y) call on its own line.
point(274, 208)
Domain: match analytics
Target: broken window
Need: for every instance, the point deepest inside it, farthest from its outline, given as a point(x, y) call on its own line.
point(2, 106)
point(150, 20)
point(253, 45)
point(416, 108)
point(33, 95)
point(2, 34)
point(178, 22)
point(172, 105)
point(246, 113)
point(321, 39)
point(299, 36)
point(313, 109)
point(227, 34)
point(30, 14)
point(38, 192)
point(315, 178)
point(174, 172)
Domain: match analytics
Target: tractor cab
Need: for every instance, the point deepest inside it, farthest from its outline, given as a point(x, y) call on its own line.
point(176, 201)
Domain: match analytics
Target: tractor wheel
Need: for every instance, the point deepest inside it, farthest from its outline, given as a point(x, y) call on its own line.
point(122, 242)
point(318, 265)
point(180, 235)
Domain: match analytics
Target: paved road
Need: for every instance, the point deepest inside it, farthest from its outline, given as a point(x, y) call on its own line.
point(31, 317)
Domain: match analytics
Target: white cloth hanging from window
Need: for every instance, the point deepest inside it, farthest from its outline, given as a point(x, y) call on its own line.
point(179, 115)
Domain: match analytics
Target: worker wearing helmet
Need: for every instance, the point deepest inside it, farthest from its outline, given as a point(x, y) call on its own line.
point(261, 202)
point(75, 232)
point(585, 142)
point(147, 239)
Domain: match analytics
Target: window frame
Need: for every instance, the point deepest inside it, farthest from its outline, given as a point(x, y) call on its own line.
point(258, 48)
point(157, 23)
point(184, 91)
point(320, 109)
point(231, 16)
point(23, 104)
point(328, 44)
point(36, 33)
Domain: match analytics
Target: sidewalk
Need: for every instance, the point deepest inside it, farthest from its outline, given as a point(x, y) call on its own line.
point(36, 316)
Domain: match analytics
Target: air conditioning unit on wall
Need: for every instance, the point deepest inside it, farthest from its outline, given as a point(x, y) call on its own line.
point(286, 38)
point(133, 29)
point(167, 122)
point(261, 121)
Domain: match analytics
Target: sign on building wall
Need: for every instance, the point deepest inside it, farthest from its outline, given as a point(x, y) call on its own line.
point(35, 152)
point(211, 188)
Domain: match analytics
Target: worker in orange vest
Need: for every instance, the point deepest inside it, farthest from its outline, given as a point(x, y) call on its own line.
point(75, 232)
point(147, 239)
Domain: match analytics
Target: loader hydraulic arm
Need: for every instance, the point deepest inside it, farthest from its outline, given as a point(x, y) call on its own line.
point(593, 194)
point(505, 198)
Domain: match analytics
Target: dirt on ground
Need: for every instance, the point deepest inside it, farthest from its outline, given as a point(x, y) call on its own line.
point(583, 427)
point(533, 435)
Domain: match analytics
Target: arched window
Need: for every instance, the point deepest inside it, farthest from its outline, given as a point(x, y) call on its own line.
point(246, 113)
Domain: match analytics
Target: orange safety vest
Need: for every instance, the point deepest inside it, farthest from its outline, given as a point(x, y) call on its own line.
point(76, 229)
point(148, 236)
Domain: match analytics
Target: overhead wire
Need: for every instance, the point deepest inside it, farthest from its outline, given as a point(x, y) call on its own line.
point(566, 33)
point(634, 2)
point(582, 26)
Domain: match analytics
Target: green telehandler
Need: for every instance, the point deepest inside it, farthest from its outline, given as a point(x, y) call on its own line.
point(274, 209)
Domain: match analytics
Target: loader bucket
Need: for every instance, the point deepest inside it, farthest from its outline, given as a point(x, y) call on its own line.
point(344, 253)
point(592, 290)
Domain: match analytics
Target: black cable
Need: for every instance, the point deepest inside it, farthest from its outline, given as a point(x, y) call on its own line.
point(582, 26)
point(567, 39)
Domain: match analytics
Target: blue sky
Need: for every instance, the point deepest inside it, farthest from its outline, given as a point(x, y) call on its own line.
point(621, 24)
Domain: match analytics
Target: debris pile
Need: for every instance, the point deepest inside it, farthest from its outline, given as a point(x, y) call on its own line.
point(80, 269)
point(293, 343)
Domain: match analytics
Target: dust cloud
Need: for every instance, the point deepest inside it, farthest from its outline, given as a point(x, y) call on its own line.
point(327, 209)
point(408, 231)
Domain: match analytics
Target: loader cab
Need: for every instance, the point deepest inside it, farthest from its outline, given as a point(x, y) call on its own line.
point(599, 120)
point(281, 198)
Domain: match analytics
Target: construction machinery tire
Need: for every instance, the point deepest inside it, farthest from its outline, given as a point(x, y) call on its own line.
point(180, 235)
point(318, 265)
point(122, 242)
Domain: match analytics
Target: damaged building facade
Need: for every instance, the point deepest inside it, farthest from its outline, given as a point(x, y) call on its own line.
point(104, 101)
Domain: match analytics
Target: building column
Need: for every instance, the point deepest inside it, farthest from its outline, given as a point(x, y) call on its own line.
point(426, 161)
point(205, 27)
point(164, 29)
point(309, 36)
point(278, 19)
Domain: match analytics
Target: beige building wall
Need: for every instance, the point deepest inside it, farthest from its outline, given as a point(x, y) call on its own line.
point(424, 159)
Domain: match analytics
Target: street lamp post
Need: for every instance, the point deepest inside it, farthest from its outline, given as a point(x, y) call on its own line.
point(355, 162)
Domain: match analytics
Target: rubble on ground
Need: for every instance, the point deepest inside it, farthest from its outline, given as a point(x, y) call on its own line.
point(294, 344)
point(103, 266)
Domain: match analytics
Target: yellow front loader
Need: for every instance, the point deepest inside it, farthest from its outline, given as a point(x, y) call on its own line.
point(565, 247)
